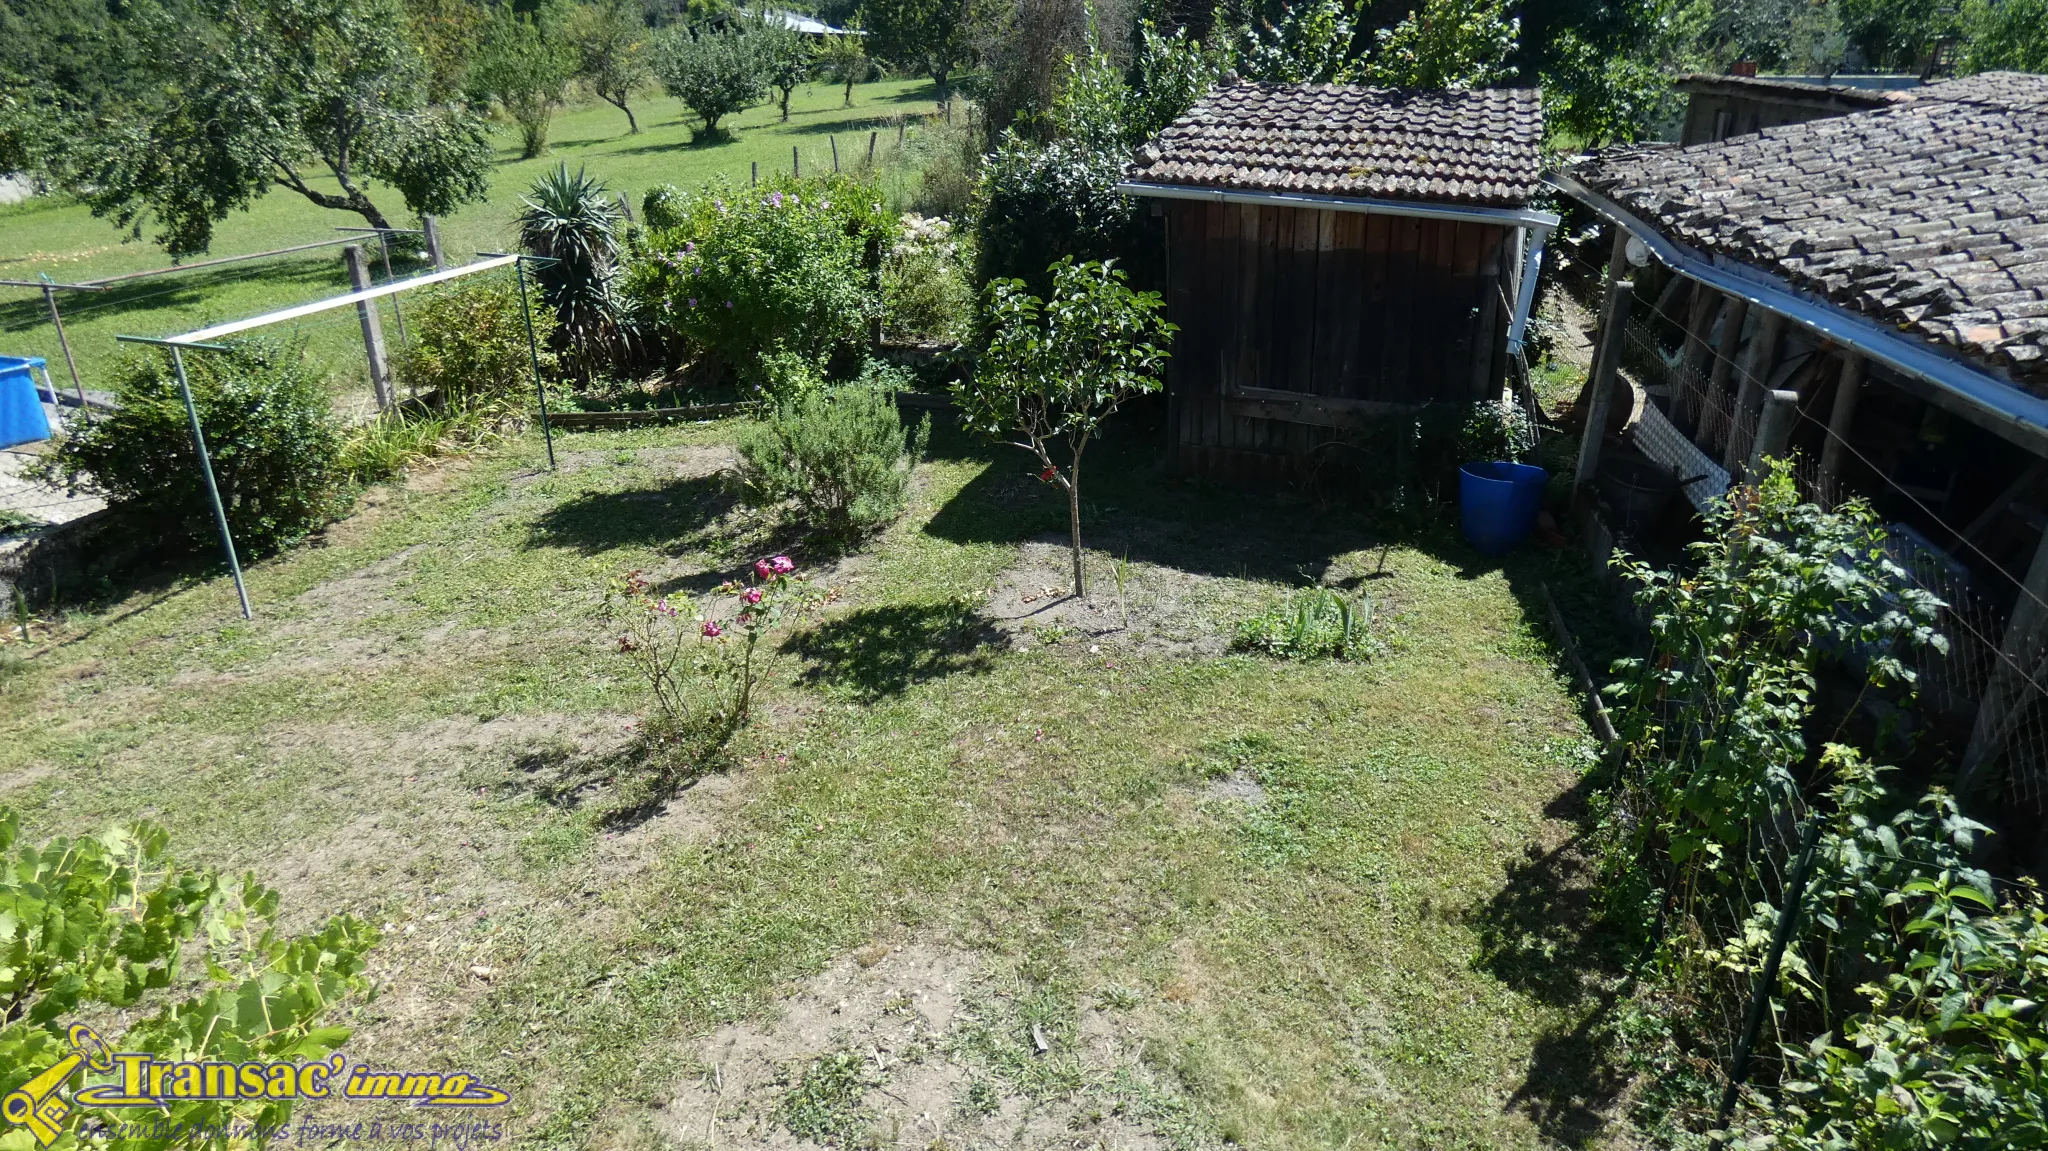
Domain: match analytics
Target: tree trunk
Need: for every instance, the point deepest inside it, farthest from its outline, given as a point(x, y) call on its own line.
point(939, 81)
point(785, 104)
point(632, 125)
point(1074, 515)
point(849, 93)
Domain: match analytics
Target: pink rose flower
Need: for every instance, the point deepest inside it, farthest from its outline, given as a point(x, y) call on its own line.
point(782, 565)
point(712, 630)
point(751, 595)
point(762, 569)
point(744, 619)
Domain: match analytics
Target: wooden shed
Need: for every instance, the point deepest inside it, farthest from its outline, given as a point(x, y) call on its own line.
point(1336, 254)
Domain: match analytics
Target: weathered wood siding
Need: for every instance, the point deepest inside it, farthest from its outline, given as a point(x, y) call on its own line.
point(1296, 324)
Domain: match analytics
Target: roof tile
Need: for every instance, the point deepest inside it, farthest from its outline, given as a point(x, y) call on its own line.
point(1927, 213)
point(1478, 147)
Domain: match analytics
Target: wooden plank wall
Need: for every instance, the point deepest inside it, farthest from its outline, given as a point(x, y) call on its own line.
point(1339, 305)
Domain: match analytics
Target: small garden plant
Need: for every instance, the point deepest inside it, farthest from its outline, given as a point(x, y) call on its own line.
point(1321, 623)
point(838, 455)
point(702, 666)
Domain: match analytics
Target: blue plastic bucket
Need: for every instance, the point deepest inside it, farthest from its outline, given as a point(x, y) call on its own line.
point(21, 408)
point(1498, 502)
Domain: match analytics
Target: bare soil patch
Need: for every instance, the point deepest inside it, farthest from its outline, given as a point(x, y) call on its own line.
point(890, 1020)
point(1159, 609)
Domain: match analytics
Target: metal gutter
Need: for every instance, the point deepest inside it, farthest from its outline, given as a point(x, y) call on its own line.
point(1506, 217)
point(1538, 224)
point(1969, 391)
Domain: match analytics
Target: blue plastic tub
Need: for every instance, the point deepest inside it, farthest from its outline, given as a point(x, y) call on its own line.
point(21, 407)
point(1498, 502)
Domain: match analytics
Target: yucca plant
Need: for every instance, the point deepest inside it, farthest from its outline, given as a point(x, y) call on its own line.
point(574, 221)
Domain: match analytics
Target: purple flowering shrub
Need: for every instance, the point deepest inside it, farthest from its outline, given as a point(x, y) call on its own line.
point(771, 280)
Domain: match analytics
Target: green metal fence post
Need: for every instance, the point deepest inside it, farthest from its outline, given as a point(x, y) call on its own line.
point(1788, 918)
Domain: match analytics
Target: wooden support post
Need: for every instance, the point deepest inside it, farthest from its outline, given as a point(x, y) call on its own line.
point(1699, 324)
point(834, 141)
point(1773, 432)
point(2006, 692)
point(1617, 260)
point(1608, 356)
point(796, 162)
point(901, 123)
point(755, 179)
point(1756, 379)
point(1715, 421)
point(373, 328)
point(1848, 389)
point(871, 148)
point(431, 227)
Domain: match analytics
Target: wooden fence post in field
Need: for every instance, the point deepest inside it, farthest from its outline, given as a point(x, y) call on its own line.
point(373, 328)
point(432, 229)
point(796, 162)
point(755, 179)
point(871, 148)
point(834, 141)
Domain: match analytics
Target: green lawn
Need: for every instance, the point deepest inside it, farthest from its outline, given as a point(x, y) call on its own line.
point(62, 238)
point(1166, 896)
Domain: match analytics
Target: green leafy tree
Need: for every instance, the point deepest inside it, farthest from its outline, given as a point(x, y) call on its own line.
point(610, 42)
point(2007, 34)
point(1594, 98)
point(1451, 44)
point(447, 33)
point(525, 65)
point(714, 72)
point(787, 59)
point(1056, 369)
point(931, 36)
point(845, 59)
point(1313, 42)
point(231, 96)
point(62, 63)
point(93, 925)
point(1900, 33)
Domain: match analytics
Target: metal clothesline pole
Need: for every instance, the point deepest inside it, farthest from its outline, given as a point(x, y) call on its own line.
point(203, 339)
point(220, 513)
point(540, 390)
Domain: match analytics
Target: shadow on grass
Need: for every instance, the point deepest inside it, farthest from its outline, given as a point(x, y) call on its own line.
point(883, 651)
point(646, 517)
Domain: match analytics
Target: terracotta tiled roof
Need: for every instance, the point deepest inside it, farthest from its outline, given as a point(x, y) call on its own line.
point(1476, 147)
point(1930, 214)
